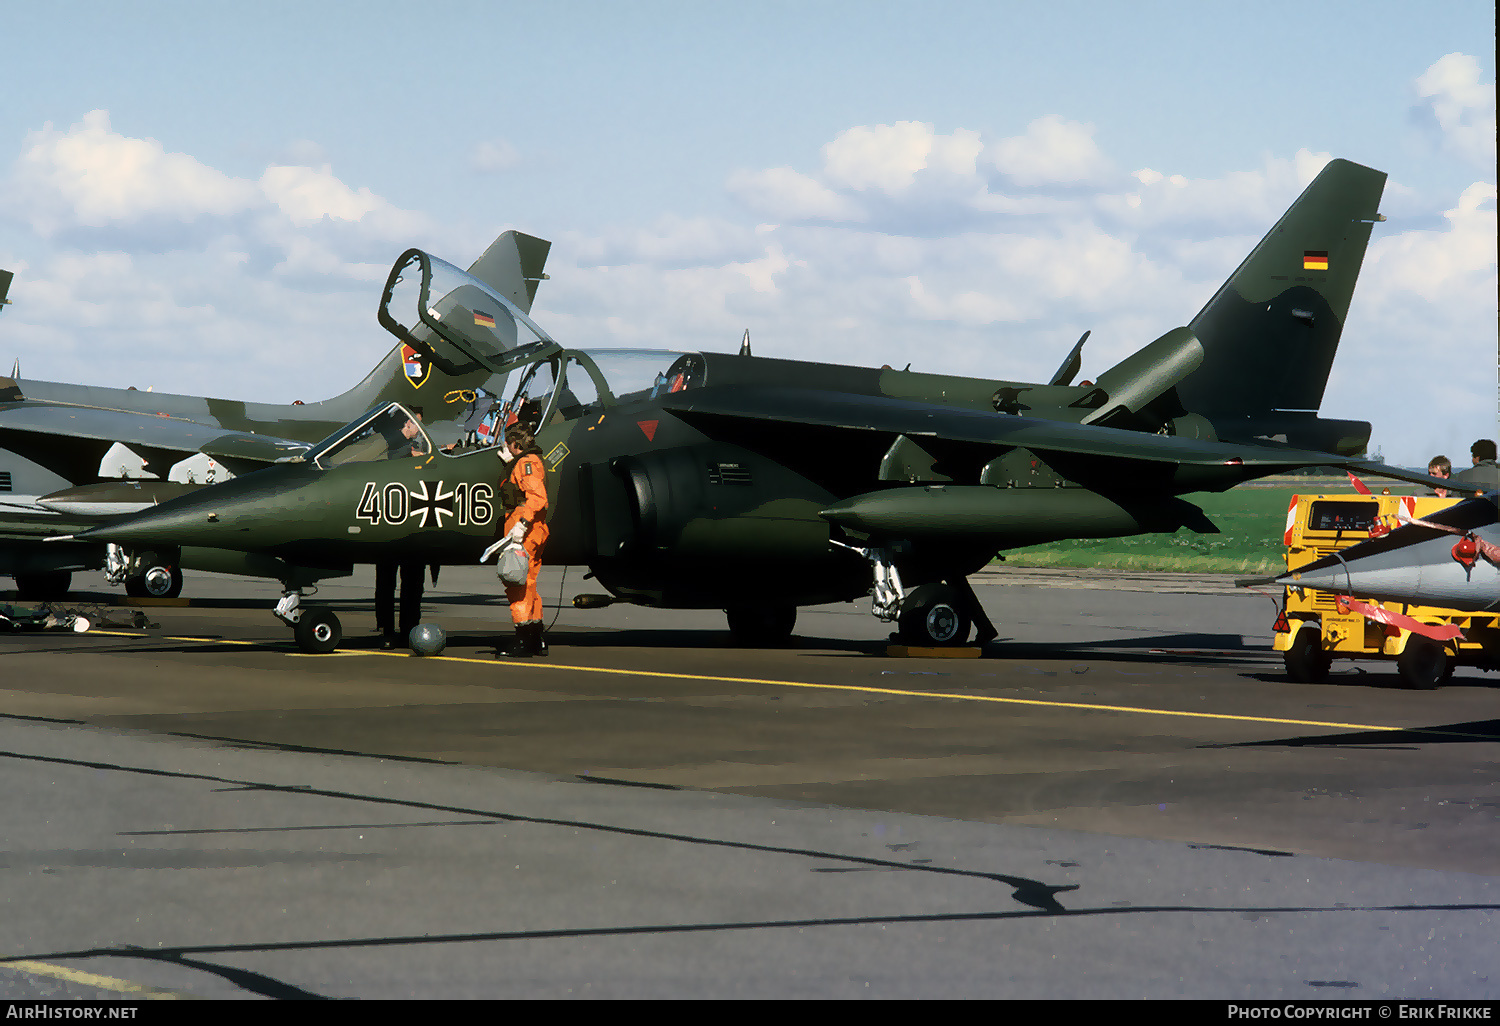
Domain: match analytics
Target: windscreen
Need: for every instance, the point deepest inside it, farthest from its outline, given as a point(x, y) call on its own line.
point(389, 433)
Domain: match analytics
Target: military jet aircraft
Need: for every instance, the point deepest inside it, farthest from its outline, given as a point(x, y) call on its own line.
point(127, 449)
point(753, 485)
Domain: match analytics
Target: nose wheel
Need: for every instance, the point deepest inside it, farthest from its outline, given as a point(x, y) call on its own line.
point(317, 631)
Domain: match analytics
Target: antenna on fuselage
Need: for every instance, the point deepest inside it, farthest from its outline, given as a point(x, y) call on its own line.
point(745, 344)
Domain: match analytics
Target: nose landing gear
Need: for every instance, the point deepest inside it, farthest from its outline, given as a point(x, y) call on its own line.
point(317, 631)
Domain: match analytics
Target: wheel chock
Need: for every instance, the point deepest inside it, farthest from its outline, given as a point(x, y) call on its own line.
point(930, 652)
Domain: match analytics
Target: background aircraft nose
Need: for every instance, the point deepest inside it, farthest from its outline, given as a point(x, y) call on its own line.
point(225, 515)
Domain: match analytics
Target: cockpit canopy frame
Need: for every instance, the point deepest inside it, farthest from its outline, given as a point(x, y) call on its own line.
point(442, 317)
point(387, 431)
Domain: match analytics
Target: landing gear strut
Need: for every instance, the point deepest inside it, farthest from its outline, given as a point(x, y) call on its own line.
point(930, 614)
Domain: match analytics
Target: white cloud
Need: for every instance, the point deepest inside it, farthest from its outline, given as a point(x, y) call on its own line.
point(306, 195)
point(1052, 151)
point(787, 195)
point(1204, 207)
point(1419, 352)
point(1459, 107)
point(887, 158)
point(1441, 267)
point(895, 244)
point(95, 177)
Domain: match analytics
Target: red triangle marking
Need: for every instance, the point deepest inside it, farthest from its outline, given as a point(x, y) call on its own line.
point(648, 426)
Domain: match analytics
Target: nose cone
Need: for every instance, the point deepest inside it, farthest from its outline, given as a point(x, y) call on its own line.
point(241, 514)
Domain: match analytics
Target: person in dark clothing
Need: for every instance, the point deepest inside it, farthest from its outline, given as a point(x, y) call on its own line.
point(412, 571)
point(408, 443)
point(1483, 476)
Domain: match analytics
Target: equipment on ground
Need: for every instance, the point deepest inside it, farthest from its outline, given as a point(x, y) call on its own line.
point(1365, 576)
point(427, 639)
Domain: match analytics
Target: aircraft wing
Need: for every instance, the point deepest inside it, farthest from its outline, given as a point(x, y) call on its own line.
point(1091, 443)
point(71, 440)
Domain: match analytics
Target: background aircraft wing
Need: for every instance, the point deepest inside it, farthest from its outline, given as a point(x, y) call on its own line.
point(71, 440)
point(31, 523)
point(1086, 445)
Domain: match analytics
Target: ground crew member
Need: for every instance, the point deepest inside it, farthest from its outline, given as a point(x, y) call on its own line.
point(412, 571)
point(523, 497)
point(1483, 476)
point(408, 442)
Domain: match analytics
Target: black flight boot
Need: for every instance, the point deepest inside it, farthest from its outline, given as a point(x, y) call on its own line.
point(536, 643)
point(519, 647)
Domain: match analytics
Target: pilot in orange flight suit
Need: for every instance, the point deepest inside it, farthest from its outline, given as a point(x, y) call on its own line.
point(523, 497)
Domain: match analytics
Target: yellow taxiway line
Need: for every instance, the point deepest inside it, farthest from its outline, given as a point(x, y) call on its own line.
point(78, 976)
point(855, 688)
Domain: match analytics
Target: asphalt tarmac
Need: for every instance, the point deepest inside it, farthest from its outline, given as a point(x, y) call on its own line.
point(1123, 797)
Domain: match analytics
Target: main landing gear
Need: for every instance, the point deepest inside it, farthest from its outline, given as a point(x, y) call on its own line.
point(317, 630)
point(144, 574)
point(155, 582)
point(934, 615)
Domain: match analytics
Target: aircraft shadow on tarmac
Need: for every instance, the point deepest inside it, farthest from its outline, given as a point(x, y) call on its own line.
point(1380, 675)
point(1474, 731)
point(1037, 898)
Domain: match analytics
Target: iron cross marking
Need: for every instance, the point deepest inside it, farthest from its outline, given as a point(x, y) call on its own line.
point(432, 500)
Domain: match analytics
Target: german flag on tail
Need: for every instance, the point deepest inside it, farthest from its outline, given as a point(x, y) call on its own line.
point(1315, 260)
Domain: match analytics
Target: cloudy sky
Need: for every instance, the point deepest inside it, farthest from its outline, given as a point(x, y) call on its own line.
point(205, 198)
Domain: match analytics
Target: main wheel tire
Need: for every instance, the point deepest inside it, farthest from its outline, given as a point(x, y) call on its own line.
point(156, 582)
point(44, 586)
point(761, 626)
point(1306, 662)
point(318, 631)
point(1423, 665)
point(934, 615)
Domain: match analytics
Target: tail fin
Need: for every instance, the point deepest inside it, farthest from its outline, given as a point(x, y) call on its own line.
point(1270, 333)
point(513, 266)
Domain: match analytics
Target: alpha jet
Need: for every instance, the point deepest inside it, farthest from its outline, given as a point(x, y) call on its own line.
point(753, 485)
point(125, 450)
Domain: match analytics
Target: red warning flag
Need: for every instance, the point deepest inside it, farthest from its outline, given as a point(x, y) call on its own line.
point(1379, 614)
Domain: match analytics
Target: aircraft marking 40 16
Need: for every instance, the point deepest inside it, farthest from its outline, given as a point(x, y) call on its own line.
point(394, 503)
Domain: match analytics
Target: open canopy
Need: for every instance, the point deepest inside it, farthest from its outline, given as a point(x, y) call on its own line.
point(457, 320)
